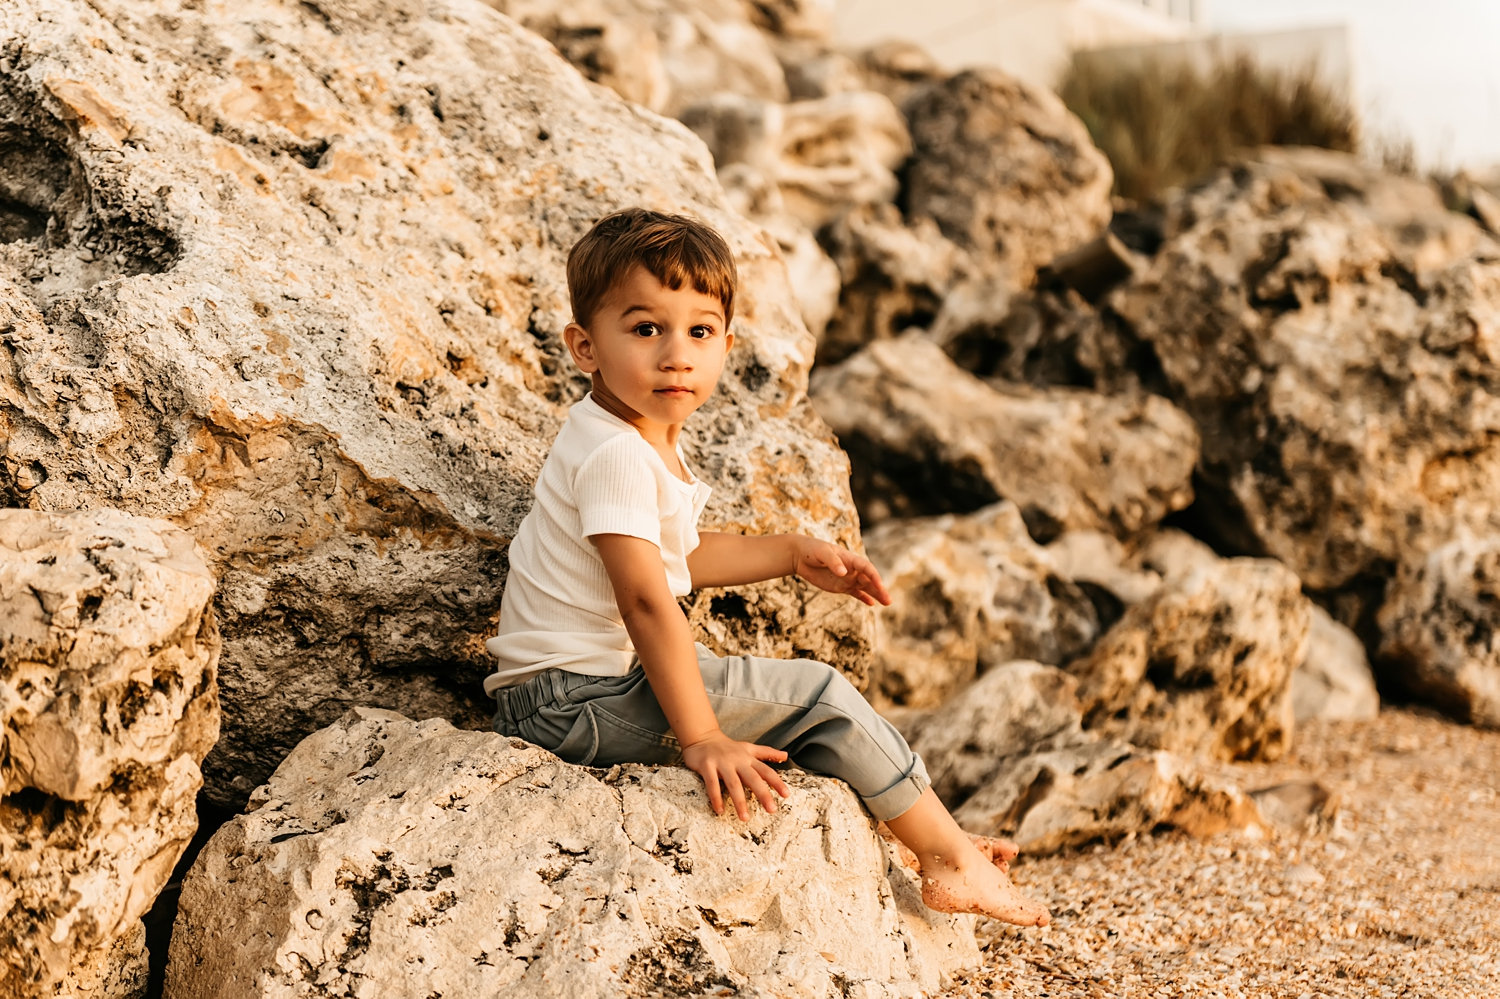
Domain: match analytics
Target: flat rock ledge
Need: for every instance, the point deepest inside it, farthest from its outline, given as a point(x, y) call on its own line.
point(393, 857)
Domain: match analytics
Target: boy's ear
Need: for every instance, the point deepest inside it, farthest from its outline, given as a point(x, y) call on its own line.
point(581, 346)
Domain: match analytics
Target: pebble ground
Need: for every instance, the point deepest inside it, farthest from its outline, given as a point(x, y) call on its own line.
point(1393, 891)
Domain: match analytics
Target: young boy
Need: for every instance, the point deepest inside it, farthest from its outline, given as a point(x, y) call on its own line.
point(597, 663)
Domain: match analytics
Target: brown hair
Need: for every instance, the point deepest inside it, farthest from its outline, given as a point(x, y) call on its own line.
point(675, 249)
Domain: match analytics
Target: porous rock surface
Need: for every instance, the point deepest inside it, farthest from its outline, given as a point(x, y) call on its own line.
point(1101, 788)
point(1333, 681)
point(107, 707)
point(926, 437)
point(387, 856)
point(1203, 664)
point(1441, 626)
point(1004, 169)
point(1011, 758)
point(970, 592)
point(894, 275)
point(352, 423)
point(1335, 334)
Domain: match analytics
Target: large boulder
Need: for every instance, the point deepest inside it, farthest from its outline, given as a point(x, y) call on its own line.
point(1101, 789)
point(107, 707)
point(1441, 627)
point(1004, 169)
point(1335, 334)
point(1203, 664)
point(292, 277)
point(971, 592)
point(1010, 757)
point(926, 437)
point(431, 860)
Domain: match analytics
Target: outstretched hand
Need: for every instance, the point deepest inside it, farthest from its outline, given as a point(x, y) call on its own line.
point(838, 570)
point(740, 767)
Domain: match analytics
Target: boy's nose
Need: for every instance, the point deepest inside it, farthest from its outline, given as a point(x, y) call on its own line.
point(675, 356)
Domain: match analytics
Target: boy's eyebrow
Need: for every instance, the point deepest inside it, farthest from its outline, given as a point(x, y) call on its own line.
point(716, 313)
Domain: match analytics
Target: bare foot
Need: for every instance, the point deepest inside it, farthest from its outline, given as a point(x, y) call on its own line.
point(997, 850)
point(982, 889)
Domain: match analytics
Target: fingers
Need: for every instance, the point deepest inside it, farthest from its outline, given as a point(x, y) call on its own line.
point(715, 797)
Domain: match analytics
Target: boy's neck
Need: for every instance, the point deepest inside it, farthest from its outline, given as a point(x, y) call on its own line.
point(659, 435)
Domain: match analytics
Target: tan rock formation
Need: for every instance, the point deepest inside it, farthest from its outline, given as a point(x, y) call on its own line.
point(107, 706)
point(294, 281)
point(894, 277)
point(1334, 333)
point(926, 437)
point(435, 860)
point(1004, 169)
point(1010, 711)
point(1203, 664)
point(969, 593)
point(1334, 682)
point(1010, 757)
point(1441, 625)
point(1102, 789)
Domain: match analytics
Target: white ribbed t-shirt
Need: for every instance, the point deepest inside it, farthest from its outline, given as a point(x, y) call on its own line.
point(559, 610)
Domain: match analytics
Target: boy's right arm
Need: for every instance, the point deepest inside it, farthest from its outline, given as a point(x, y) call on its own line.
point(664, 643)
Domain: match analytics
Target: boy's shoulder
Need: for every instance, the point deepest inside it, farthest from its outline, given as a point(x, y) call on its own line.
point(591, 435)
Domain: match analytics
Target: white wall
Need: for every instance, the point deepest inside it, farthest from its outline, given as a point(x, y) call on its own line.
point(1032, 39)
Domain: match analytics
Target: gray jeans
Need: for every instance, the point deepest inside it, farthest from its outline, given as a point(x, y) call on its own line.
point(802, 706)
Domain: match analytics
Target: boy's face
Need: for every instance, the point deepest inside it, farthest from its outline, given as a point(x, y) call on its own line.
point(655, 353)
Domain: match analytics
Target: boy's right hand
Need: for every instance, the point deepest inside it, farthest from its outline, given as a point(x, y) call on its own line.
point(739, 767)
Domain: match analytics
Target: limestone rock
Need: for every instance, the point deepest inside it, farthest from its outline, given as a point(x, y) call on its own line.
point(824, 155)
point(107, 707)
point(926, 437)
point(1202, 665)
point(894, 276)
point(663, 54)
point(814, 278)
point(970, 593)
point(1004, 169)
point(291, 277)
point(1334, 682)
point(430, 859)
point(1441, 626)
point(1102, 789)
point(1335, 335)
point(1007, 712)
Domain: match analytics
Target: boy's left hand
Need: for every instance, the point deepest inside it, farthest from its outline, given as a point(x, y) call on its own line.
point(838, 570)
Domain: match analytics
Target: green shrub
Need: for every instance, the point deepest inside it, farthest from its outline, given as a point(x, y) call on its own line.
point(1163, 123)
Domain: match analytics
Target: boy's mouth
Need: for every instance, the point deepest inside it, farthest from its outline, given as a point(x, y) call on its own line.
point(674, 390)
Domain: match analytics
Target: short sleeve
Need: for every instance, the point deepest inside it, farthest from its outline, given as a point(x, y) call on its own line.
point(616, 491)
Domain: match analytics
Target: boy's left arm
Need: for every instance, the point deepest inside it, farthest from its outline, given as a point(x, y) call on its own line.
point(736, 559)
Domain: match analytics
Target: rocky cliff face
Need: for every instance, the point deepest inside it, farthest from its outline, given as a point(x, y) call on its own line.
point(291, 278)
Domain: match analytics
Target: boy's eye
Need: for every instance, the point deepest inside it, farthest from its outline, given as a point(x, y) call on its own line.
point(702, 332)
point(647, 329)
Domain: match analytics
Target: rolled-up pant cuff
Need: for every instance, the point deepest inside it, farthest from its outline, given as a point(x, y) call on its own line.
point(900, 796)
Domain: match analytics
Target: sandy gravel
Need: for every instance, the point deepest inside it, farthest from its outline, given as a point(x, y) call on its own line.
point(1393, 891)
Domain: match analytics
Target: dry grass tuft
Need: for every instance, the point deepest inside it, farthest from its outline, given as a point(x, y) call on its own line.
point(1165, 123)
